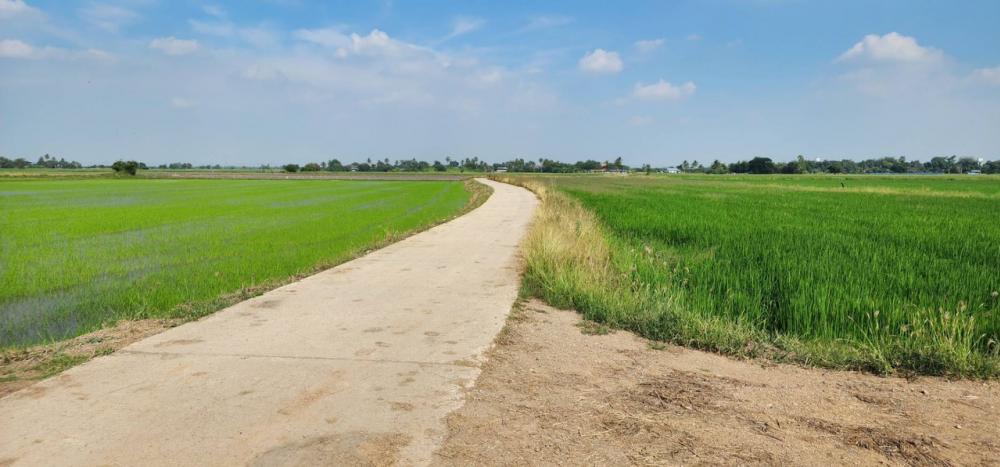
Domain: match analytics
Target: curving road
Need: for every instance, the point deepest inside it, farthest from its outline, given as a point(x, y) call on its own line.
point(358, 364)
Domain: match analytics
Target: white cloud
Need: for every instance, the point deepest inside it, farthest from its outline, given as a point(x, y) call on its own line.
point(640, 120)
point(174, 46)
point(107, 16)
point(13, 48)
point(891, 47)
point(649, 45)
point(662, 90)
point(378, 43)
point(12, 8)
point(327, 37)
point(989, 75)
point(182, 103)
point(464, 25)
point(374, 70)
point(693, 37)
point(601, 61)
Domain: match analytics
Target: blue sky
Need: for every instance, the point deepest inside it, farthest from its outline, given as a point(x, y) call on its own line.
point(252, 82)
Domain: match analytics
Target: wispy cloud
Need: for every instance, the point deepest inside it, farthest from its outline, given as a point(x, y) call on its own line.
point(16, 49)
point(328, 37)
point(649, 45)
point(988, 75)
point(464, 25)
point(108, 16)
point(640, 120)
point(12, 48)
point(215, 10)
point(174, 46)
point(181, 103)
point(13, 8)
point(260, 36)
point(663, 90)
point(546, 22)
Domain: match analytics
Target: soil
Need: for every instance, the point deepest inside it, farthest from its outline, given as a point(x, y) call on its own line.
point(20, 368)
point(554, 392)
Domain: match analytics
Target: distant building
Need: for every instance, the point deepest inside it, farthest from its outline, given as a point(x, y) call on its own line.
point(501, 170)
point(672, 170)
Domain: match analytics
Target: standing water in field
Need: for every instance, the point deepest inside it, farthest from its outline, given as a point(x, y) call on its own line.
point(77, 254)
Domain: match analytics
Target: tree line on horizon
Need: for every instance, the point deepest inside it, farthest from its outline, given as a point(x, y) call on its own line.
point(44, 162)
point(764, 165)
point(756, 165)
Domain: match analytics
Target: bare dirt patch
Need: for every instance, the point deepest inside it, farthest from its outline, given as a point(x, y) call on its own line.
point(354, 448)
point(553, 393)
point(22, 367)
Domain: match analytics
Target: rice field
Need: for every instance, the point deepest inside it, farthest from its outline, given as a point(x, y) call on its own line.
point(866, 272)
point(79, 254)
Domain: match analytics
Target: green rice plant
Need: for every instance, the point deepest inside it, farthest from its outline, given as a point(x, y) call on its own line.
point(873, 273)
point(76, 255)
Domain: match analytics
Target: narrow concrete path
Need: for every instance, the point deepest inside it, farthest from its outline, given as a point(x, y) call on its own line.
point(358, 364)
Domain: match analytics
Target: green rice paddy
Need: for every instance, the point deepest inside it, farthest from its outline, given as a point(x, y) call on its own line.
point(868, 272)
point(79, 254)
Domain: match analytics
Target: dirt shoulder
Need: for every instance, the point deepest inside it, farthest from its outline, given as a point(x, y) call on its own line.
point(553, 392)
point(20, 368)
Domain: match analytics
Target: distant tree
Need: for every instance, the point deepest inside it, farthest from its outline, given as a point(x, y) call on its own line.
point(791, 168)
point(128, 167)
point(940, 164)
point(618, 164)
point(335, 166)
point(587, 165)
point(311, 167)
point(966, 164)
point(439, 167)
point(799, 166)
point(291, 168)
point(718, 167)
point(740, 167)
point(382, 166)
point(761, 165)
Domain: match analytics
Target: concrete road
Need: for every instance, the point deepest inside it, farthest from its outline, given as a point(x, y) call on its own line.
point(358, 364)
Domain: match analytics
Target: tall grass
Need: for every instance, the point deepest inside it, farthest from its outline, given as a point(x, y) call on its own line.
point(76, 255)
point(816, 270)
